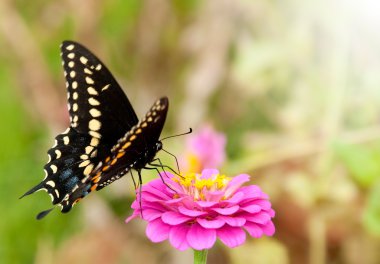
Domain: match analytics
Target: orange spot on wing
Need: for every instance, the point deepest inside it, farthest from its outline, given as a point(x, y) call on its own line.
point(126, 145)
point(96, 178)
point(120, 154)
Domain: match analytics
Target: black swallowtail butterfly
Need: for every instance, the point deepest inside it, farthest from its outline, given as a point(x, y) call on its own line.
point(105, 139)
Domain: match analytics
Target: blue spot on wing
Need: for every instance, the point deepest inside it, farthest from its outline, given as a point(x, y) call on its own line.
point(70, 184)
point(66, 174)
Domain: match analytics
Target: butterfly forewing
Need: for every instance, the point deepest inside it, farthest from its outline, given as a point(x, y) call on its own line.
point(96, 103)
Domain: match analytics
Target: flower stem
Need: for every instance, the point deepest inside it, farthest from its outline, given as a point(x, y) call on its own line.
point(200, 256)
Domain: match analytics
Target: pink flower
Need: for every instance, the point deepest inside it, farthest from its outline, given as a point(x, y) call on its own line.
point(206, 149)
point(198, 208)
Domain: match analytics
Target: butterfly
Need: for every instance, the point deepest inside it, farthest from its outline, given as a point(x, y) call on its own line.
point(105, 139)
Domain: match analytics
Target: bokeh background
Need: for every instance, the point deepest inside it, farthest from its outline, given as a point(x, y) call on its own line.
point(294, 85)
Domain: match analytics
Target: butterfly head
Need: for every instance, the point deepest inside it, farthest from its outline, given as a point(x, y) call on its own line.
point(158, 146)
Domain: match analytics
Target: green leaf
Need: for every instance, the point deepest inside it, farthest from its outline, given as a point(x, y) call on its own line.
point(371, 215)
point(361, 161)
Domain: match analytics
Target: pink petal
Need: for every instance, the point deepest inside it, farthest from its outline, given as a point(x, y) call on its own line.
point(208, 173)
point(269, 228)
point(264, 204)
point(174, 218)
point(174, 185)
point(253, 229)
point(231, 236)
point(253, 208)
point(156, 192)
point(185, 201)
point(189, 212)
point(174, 201)
point(271, 212)
point(213, 224)
point(133, 216)
point(200, 238)
point(149, 197)
point(235, 183)
point(259, 218)
point(153, 184)
point(205, 204)
point(213, 196)
point(150, 214)
point(236, 198)
point(177, 237)
point(227, 210)
point(157, 231)
point(135, 205)
point(232, 221)
point(264, 196)
point(251, 191)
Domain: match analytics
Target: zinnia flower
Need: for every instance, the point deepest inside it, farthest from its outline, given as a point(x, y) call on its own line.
point(205, 149)
point(198, 208)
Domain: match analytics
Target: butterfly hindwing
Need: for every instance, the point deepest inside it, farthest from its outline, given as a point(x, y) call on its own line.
point(71, 159)
point(136, 148)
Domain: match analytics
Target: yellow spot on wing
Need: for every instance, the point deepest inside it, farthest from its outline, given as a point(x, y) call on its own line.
point(84, 163)
point(53, 168)
point(95, 112)
point(89, 80)
point(94, 125)
point(93, 101)
point(94, 142)
point(83, 60)
point(88, 169)
point(120, 154)
point(70, 47)
point(126, 145)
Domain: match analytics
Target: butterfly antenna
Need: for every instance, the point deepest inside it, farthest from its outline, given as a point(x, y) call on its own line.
point(188, 132)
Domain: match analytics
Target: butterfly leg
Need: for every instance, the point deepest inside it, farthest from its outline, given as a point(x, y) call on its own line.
point(165, 166)
point(162, 179)
point(176, 161)
point(133, 179)
point(140, 193)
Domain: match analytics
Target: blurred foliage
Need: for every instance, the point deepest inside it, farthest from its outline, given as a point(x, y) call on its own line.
point(362, 162)
point(293, 84)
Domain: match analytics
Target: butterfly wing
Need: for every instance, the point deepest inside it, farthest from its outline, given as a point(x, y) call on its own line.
point(97, 104)
point(133, 151)
point(100, 114)
point(137, 148)
point(72, 157)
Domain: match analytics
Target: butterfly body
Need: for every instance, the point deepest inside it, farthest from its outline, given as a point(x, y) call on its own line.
point(105, 139)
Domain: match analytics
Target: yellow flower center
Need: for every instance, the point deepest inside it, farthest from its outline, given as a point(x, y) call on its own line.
point(195, 185)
